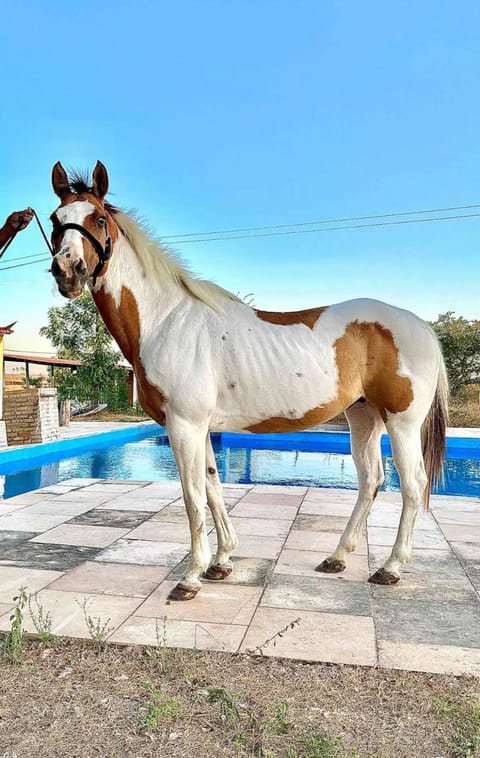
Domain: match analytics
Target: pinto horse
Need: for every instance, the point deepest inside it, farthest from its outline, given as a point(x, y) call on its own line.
point(206, 361)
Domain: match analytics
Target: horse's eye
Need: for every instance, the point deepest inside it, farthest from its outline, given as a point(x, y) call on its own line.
point(101, 220)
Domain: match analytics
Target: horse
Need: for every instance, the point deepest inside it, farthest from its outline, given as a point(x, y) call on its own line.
point(206, 361)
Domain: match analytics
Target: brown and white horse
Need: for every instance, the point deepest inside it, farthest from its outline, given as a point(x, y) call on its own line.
point(206, 361)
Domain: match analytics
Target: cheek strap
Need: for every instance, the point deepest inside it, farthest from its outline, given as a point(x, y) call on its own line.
point(103, 253)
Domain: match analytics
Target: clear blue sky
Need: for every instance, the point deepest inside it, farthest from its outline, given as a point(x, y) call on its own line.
point(211, 115)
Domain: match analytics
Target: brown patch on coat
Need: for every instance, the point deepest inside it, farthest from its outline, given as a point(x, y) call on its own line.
point(308, 317)
point(367, 364)
point(123, 323)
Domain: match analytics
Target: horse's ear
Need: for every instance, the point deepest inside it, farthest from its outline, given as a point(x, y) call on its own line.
point(59, 180)
point(100, 180)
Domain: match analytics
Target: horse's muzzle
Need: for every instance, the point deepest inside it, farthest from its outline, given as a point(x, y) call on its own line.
point(70, 275)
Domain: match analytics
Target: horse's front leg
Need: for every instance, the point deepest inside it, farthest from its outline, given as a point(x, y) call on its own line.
point(188, 443)
point(227, 541)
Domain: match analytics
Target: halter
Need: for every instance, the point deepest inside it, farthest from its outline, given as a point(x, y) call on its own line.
point(103, 253)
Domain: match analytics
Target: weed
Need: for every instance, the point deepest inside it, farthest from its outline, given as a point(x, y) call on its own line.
point(320, 745)
point(42, 620)
point(97, 630)
point(464, 713)
point(280, 724)
point(13, 643)
point(158, 653)
point(227, 702)
point(260, 648)
point(160, 707)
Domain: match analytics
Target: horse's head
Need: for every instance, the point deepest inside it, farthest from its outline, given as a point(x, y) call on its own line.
point(83, 230)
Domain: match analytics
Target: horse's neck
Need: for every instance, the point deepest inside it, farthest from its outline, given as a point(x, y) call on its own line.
point(131, 304)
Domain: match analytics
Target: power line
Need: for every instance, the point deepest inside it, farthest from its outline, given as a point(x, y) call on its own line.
point(40, 258)
point(331, 228)
point(324, 221)
point(20, 265)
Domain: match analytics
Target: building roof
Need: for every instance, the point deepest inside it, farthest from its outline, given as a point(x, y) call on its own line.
point(44, 361)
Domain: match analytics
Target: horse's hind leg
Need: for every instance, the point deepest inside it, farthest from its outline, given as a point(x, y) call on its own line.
point(406, 442)
point(221, 565)
point(188, 444)
point(366, 428)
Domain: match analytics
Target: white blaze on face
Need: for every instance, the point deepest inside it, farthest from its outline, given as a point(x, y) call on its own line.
point(72, 240)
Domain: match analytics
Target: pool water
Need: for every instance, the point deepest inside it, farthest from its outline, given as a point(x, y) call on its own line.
point(152, 459)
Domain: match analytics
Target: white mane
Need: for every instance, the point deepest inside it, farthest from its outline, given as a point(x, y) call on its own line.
point(160, 264)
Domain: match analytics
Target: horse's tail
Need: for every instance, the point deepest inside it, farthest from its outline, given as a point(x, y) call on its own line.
point(434, 432)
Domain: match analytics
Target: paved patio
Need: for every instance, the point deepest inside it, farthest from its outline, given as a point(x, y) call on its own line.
point(122, 546)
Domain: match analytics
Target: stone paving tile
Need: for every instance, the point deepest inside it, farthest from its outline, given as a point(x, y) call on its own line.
point(129, 503)
point(121, 519)
point(390, 517)
point(258, 547)
point(261, 527)
point(310, 522)
point(440, 503)
point(21, 521)
point(328, 637)
point(317, 594)
point(37, 556)
point(436, 659)
point(466, 551)
point(5, 608)
point(330, 496)
point(58, 507)
point(433, 540)
point(304, 562)
point(113, 488)
point(80, 481)
point(170, 490)
point(245, 509)
point(93, 499)
point(322, 542)
point(267, 498)
point(68, 615)
point(251, 571)
point(282, 489)
point(469, 518)
point(472, 570)
point(14, 538)
point(112, 579)
point(87, 536)
point(430, 623)
point(12, 578)
point(318, 508)
point(6, 506)
point(217, 602)
point(187, 634)
point(461, 533)
point(162, 531)
point(28, 498)
point(144, 553)
point(57, 489)
point(176, 514)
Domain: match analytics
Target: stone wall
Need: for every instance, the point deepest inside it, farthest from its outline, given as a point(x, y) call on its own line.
point(31, 416)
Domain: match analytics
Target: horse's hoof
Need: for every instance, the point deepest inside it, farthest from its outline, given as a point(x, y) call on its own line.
point(182, 593)
point(331, 566)
point(382, 576)
point(217, 572)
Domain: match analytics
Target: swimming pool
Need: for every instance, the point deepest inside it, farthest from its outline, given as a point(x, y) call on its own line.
point(309, 458)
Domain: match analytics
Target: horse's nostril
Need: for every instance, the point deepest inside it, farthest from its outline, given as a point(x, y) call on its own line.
point(80, 268)
point(55, 268)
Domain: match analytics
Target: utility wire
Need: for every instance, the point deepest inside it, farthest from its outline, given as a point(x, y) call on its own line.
point(330, 228)
point(41, 258)
point(325, 221)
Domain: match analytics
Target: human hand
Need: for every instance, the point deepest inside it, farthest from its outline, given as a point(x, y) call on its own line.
point(19, 220)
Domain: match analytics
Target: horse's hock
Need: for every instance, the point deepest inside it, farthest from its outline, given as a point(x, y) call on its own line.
point(31, 416)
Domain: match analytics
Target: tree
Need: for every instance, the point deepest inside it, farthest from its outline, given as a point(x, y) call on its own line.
point(460, 341)
point(77, 332)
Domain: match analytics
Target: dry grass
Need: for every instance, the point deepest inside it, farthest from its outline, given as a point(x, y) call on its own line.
point(66, 699)
point(464, 414)
point(112, 416)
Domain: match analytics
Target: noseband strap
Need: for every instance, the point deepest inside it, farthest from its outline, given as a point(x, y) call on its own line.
point(103, 253)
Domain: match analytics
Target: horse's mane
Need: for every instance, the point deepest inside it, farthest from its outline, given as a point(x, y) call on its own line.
point(157, 261)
